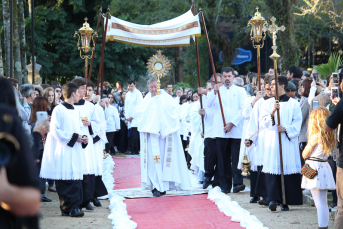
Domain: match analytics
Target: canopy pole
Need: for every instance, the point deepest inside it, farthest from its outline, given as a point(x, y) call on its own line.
point(95, 40)
point(100, 78)
point(198, 68)
point(212, 64)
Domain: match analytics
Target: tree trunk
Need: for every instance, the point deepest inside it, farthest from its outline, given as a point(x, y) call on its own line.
point(177, 79)
point(1, 63)
point(6, 17)
point(21, 21)
point(16, 45)
point(180, 64)
point(288, 48)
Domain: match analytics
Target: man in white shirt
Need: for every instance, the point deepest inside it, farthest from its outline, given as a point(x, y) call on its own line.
point(210, 150)
point(228, 137)
point(112, 125)
point(133, 99)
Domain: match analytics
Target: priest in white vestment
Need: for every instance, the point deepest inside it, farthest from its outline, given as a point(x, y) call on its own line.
point(291, 119)
point(163, 166)
point(132, 100)
point(64, 159)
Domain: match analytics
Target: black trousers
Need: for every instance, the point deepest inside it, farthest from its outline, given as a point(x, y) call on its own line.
point(133, 140)
point(88, 189)
point(292, 188)
point(302, 146)
point(70, 194)
point(227, 152)
point(123, 139)
point(100, 188)
point(258, 183)
point(211, 161)
point(184, 146)
point(109, 147)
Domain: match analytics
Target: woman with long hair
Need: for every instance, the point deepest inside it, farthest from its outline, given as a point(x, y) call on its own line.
point(122, 134)
point(49, 93)
point(320, 145)
point(40, 104)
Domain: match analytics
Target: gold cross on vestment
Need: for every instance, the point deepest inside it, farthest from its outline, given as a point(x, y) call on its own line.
point(157, 159)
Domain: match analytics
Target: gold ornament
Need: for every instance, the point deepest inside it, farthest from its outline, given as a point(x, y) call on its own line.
point(158, 66)
point(246, 166)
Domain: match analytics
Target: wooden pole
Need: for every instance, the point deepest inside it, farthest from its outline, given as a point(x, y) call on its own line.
point(95, 40)
point(102, 52)
point(198, 67)
point(259, 67)
point(212, 64)
point(86, 68)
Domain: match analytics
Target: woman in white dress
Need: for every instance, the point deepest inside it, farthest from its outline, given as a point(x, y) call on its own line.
point(320, 145)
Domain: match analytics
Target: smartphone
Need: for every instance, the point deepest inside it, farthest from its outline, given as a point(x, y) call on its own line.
point(335, 78)
point(334, 93)
point(41, 116)
point(315, 104)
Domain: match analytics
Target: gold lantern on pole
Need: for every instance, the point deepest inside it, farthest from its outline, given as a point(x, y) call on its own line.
point(86, 34)
point(258, 35)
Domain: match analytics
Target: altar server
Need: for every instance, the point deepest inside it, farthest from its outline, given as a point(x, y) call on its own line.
point(291, 118)
point(64, 160)
point(112, 125)
point(132, 101)
point(228, 138)
point(163, 166)
point(90, 120)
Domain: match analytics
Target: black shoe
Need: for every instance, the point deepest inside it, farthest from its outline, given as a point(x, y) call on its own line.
point(207, 182)
point(284, 207)
point(89, 207)
point(254, 199)
point(156, 193)
point(333, 205)
point(96, 202)
point(272, 205)
point(45, 199)
point(64, 213)
point(238, 188)
point(76, 213)
point(263, 202)
point(163, 193)
point(226, 191)
point(51, 189)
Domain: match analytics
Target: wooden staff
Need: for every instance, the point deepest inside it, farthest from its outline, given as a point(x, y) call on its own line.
point(212, 64)
point(102, 52)
point(198, 65)
point(95, 40)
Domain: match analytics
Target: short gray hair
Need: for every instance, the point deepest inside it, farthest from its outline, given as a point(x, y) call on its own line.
point(178, 89)
point(151, 80)
point(217, 74)
point(26, 90)
point(238, 81)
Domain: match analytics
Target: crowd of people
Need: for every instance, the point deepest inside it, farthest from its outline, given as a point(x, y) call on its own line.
point(212, 128)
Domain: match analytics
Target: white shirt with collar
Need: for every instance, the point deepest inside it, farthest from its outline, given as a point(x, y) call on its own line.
point(132, 100)
point(233, 102)
point(112, 119)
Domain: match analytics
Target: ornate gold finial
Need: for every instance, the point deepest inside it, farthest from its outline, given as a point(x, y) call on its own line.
point(158, 66)
point(274, 28)
point(86, 19)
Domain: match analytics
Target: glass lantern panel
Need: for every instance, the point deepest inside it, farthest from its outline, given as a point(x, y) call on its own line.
point(88, 39)
point(83, 40)
point(258, 29)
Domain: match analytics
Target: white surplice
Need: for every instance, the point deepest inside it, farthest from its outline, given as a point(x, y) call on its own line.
point(158, 123)
point(246, 113)
point(132, 101)
point(100, 131)
point(196, 143)
point(291, 118)
point(257, 133)
point(233, 102)
point(61, 161)
point(92, 159)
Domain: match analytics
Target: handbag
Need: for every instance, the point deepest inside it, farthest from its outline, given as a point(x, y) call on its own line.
point(308, 172)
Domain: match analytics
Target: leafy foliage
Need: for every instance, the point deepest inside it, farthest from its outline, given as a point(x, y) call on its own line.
point(327, 69)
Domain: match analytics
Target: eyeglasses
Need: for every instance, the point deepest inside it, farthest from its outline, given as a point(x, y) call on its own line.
point(58, 91)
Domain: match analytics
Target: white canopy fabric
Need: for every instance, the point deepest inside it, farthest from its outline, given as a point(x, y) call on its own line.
point(173, 33)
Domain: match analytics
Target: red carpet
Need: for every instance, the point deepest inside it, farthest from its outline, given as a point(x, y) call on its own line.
point(178, 212)
point(127, 173)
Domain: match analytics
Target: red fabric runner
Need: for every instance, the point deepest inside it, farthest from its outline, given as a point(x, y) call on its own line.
point(127, 173)
point(178, 212)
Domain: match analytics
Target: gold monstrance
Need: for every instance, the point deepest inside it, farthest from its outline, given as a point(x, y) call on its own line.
point(158, 66)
